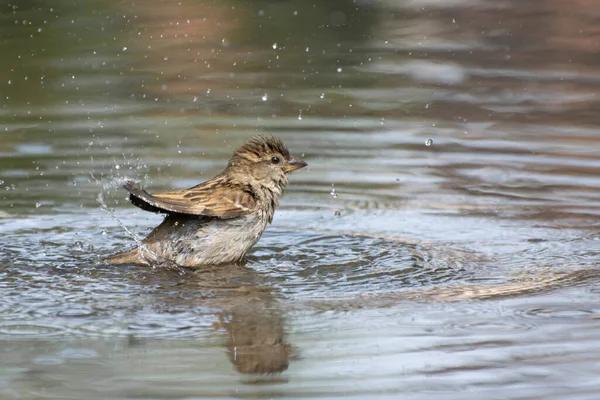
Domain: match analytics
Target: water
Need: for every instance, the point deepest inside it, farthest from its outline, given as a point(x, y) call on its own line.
point(443, 242)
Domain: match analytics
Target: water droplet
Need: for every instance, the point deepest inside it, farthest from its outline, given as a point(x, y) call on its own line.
point(37, 205)
point(265, 97)
point(124, 48)
point(117, 166)
point(339, 69)
point(338, 214)
point(207, 91)
point(307, 49)
point(322, 95)
point(300, 116)
point(274, 46)
point(195, 99)
point(428, 142)
point(333, 193)
point(78, 245)
point(295, 12)
point(427, 105)
point(382, 121)
point(453, 21)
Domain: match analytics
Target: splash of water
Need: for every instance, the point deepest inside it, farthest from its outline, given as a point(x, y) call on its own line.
point(145, 253)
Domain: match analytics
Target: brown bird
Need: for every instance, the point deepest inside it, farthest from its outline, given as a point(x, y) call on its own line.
point(218, 221)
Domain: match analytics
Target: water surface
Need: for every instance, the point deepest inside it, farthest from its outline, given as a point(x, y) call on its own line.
point(443, 242)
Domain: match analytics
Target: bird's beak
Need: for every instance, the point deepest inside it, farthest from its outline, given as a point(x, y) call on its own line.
point(294, 163)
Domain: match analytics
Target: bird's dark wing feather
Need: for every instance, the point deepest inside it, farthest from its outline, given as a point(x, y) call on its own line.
point(213, 198)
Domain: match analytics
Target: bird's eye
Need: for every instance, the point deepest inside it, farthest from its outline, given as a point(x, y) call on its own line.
point(275, 160)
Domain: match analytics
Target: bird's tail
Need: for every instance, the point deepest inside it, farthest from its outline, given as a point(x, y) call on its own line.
point(126, 257)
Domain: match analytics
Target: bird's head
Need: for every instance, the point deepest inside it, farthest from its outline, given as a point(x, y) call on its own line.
point(266, 159)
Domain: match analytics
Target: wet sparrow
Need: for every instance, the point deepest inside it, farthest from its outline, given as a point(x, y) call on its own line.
point(217, 221)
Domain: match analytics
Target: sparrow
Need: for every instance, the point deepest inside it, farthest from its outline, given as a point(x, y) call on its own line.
point(218, 221)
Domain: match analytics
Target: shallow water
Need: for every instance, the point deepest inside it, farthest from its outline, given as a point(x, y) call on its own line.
point(443, 242)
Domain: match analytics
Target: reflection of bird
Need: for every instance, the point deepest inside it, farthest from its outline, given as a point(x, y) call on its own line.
point(217, 221)
point(255, 336)
point(249, 309)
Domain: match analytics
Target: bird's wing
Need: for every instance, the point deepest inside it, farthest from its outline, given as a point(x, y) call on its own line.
point(214, 198)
